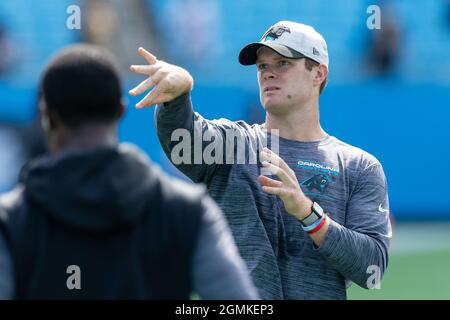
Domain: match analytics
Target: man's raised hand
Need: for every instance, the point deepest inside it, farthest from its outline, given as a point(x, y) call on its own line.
point(168, 81)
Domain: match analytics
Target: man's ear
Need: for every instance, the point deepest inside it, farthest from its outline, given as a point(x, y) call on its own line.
point(122, 108)
point(46, 118)
point(321, 74)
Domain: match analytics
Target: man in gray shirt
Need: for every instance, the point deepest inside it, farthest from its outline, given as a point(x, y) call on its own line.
point(308, 219)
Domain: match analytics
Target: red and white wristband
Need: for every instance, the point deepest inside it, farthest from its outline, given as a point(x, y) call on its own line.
point(316, 226)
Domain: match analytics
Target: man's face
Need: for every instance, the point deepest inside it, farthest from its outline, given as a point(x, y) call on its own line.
point(284, 84)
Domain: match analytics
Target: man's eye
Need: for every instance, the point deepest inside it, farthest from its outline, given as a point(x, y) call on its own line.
point(262, 66)
point(283, 62)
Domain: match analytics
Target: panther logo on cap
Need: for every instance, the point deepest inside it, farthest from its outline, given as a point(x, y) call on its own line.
point(275, 32)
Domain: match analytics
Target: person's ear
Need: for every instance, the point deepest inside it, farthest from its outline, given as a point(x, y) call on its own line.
point(45, 117)
point(45, 122)
point(122, 108)
point(321, 74)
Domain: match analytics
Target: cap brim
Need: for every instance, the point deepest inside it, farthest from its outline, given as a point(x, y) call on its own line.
point(248, 56)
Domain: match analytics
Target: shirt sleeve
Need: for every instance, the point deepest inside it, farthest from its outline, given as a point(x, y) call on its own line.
point(196, 146)
point(359, 250)
point(219, 273)
point(6, 271)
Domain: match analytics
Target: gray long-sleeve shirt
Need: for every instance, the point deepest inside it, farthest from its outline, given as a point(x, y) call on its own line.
point(347, 182)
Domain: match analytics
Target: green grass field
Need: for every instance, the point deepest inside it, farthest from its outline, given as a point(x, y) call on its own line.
point(419, 266)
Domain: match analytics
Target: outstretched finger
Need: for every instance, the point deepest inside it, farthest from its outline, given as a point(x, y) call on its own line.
point(147, 70)
point(266, 181)
point(149, 98)
point(272, 157)
point(279, 172)
point(274, 190)
point(143, 86)
point(150, 58)
point(162, 98)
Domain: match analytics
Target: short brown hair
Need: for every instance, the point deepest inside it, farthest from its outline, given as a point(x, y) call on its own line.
point(309, 65)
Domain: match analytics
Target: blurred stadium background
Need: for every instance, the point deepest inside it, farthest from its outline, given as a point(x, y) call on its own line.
point(388, 93)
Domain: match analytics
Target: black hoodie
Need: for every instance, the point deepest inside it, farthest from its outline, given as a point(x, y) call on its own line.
point(130, 230)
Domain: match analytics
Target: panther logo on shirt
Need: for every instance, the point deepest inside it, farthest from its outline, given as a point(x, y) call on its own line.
point(319, 182)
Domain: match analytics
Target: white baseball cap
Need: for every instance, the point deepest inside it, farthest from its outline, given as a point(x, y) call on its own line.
point(291, 40)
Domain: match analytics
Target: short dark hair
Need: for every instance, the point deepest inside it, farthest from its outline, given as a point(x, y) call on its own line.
point(80, 84)
point(310, 64)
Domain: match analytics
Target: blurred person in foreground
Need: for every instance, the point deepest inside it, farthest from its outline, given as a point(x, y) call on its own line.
point(102, 207)
point(318, 219)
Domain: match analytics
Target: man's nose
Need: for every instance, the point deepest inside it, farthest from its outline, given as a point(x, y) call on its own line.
point(269, 74)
